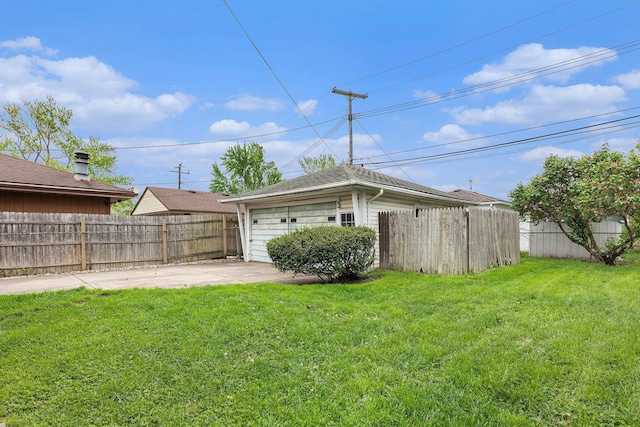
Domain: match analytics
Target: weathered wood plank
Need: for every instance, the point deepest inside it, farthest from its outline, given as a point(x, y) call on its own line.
point(37, 243)
point(448, 240)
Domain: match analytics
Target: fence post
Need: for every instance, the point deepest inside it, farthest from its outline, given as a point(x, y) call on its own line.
point(83, 244)
point(224, 235)
point(164, 242)
point(467, 227)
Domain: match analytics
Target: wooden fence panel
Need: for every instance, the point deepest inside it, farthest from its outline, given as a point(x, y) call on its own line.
point(448, 241)
point(38, 243)
point(494, 238)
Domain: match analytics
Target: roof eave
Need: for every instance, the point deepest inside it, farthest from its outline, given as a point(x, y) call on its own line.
point(12, 186)
point(346, 184)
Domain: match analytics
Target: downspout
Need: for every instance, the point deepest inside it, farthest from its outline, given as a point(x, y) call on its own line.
point(371, 200)
point(356, 207)
point(242, 232)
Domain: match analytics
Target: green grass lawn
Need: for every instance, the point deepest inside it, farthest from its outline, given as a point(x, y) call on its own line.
point(541, 343)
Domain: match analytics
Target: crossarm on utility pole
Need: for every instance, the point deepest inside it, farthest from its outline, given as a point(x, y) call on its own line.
point(350, 95)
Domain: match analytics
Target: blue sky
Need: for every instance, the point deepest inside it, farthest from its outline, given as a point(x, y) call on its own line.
point(179, 82)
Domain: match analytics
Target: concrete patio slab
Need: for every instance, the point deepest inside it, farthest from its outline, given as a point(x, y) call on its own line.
point(166, 276)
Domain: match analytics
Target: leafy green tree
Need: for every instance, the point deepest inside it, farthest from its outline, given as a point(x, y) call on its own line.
point(574, 193)
point(39, 131)
point(245, 169)
point(315, 164)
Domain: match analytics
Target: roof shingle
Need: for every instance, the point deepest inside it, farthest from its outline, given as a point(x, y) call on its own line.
point(24, 175)
point(339, 176)
point(191, 201)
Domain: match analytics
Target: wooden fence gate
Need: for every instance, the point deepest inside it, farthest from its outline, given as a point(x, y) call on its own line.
point(449, 241)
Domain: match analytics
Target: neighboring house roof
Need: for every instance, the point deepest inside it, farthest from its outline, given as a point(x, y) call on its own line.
point(27, 176)
point(477, 197)
point(160, 200)
point(342, 176)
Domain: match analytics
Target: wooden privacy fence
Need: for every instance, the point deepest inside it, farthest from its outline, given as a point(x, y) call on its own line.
point(42, 243)
point(449, 241)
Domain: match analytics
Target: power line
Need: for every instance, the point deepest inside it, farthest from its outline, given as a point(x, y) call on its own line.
point(214, 141)
point(569, 132)
point(478, 138)
point(456, 46)
point(518, 150)
point(315, 144)
point(598, 56)
point(380, 147)
point(489, 54)
point(272, 70)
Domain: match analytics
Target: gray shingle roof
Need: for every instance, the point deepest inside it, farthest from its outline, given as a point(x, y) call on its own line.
point(24, 175)
point(342, 175)
point(477, 197)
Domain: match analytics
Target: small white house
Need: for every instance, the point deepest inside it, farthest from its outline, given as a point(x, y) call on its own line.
point(169, 201)
point(345, 195)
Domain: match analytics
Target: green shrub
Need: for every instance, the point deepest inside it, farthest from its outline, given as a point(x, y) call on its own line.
point(329, 252)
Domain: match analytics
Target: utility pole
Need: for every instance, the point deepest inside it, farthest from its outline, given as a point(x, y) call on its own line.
point(350, 95)
point(179, 172)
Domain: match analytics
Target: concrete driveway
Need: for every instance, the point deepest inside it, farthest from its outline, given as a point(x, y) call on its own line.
point(166, 276)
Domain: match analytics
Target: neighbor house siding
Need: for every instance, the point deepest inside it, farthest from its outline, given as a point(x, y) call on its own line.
point(14, 201)
point(149, 204)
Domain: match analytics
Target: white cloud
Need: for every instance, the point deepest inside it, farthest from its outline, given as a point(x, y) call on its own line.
point(539, 154)
point(27, 43)
point(545, 104)
point(308, 106)
point(426, 94)
point(452, 133)
point(534, 56)
point(252, 103)
point(101, 98)
point(128, 111)
point(229, 127)
point(235, 129)
point(207, 105)
point(616, 144)
point(83, 74)
point(630, 80)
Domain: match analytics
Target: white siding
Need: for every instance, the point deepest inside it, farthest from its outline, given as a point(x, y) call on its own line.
point(149, 203)
point(265, 224)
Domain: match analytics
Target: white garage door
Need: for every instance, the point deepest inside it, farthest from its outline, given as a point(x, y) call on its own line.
point(267, 223)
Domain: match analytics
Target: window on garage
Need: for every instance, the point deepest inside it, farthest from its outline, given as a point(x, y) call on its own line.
point(347, 219)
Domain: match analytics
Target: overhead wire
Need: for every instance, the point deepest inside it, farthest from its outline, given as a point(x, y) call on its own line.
point(456, 46)
point(497, 51)
point(380, 147)
point(383, 110)
point(213, 141)
point(515, 79)
point(320, 140)
point(275, 75)
point(483, 137)
point(598, 127)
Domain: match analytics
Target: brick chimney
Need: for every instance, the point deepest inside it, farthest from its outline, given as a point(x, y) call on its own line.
point(82, 166)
